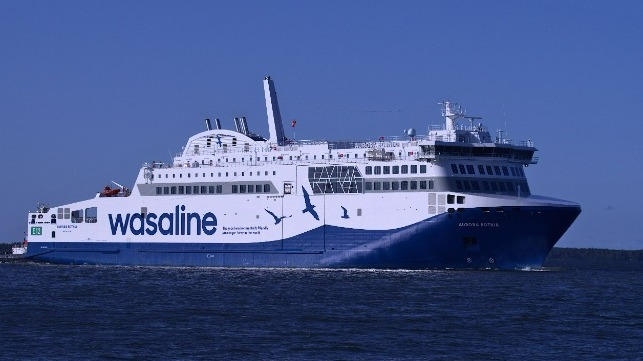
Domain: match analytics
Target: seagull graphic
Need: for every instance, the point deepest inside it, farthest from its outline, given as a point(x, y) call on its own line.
point(277, 219)
point(309, 207)
point(345, 216)
point(218, 140)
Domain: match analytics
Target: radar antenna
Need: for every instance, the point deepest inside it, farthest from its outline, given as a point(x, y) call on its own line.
point(471, 119)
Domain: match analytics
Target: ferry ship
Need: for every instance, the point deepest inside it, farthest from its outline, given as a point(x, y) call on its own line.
point(451, 198)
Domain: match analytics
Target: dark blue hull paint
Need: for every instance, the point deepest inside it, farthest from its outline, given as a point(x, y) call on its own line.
point(511, 238)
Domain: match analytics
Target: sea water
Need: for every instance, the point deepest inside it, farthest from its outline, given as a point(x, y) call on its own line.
point(58, 312)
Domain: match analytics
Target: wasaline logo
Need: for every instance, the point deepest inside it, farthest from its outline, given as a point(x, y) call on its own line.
point(177, 223)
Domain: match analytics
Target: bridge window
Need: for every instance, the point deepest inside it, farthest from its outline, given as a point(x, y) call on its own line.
point(422, 184)
point(387, 169)
point(266, 188)
point(480, 169)
point(513, 171)
point(181, 189)
point(458, 184)
point(242, 188)
point(395, 186)
point(505, 171)
point(396, 169)
point(470, 169)
point(404, 185)
point(489, 170)
point(466, 185)
point(219, 188)
point(369, 170)
point(454, 168)
point(423, 168)
point(475, 186)
point(166, 190)
point(235, 188)
point(497, 169)
point(386, 186)
point(485, 185)
point(502, 187)
point(258, 188)
point(378, 169)
point(494, 186)
point(159, 190)
point(405, 169)
point(377, 186)
point(414, 185)
point(414, 169)
point(188, 190)
point(203, 189)
point(173, 190)
point(461, 167)
point(368, 186)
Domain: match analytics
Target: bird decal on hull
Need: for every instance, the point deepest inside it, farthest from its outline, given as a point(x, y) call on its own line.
point(309, 207)
point(277, 219)
point(345, 215)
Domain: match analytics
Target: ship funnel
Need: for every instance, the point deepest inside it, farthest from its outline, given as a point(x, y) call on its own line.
point(217, 123)
point(208, 125)
point(275, 125)
point(244, 126)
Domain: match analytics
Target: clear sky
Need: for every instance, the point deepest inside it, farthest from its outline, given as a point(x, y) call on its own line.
point(90, 90)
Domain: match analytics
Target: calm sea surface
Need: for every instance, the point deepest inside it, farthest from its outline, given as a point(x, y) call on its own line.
point(51, 312)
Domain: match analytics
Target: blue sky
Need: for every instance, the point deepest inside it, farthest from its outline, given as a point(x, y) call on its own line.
point(90, 90)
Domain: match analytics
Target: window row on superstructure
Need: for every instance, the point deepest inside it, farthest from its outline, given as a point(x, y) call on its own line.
point(214, 189)
point(492, 186)
point(395, 169)
point(487, 170)
point(86, 215)
point(212, 174)
point(399, 185)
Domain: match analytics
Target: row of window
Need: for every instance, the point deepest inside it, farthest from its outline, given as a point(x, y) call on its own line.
point(213, 189)
point(274, 158)
point(401, 185)
point(488, 170)
point(219, 174)
point(395, 169)
point(492, 186)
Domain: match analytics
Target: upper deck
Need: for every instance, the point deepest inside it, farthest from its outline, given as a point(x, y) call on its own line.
point(227, 148)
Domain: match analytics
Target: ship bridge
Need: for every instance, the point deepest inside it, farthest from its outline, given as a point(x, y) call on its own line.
point(471, 141)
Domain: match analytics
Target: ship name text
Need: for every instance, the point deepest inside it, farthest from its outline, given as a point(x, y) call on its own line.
point(476, 224)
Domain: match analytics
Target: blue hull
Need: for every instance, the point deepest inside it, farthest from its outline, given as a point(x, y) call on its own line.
point(508, 238)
